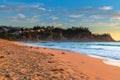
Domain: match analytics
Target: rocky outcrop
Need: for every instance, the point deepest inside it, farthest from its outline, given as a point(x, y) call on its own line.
point(91, 38)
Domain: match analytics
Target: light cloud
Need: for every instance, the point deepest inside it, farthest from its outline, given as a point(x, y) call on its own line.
point(42, 9)
point(102, 24)
point(61, 25)
point(75, 15)
point(115, 15)
point(21, 16)
point(92, 9)
point(2, 6)
point(49, 10)
point(36, 5)
point(34, 19)
point(54, 17)
point(106, 8)
point(96, 16)
point(22, 7)
point(17, 17)
point(110, 15)
point(57, 24)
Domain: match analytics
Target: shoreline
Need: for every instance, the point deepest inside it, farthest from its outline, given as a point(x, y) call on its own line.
point(108, 61)
point(76, 65)
point(66, 41)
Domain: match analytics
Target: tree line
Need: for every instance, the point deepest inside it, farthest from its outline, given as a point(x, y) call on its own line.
point(48, 33)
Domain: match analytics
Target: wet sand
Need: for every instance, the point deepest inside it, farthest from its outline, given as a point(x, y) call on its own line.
point(21, 62)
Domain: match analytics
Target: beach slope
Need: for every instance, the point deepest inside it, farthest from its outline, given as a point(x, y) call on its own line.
point(21, 62)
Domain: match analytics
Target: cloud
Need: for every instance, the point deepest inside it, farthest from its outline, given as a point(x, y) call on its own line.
point(42, 9)
point(37, 5)
point(61, 25)
point(115, 15)
point(106, 8)
point(49, 10)
point(92, 9)
point(75, 15)
point(110, 15)
point(57, 24)
point(32, 20)
point(54, 17)
point(102, 24)
point(17, 17)
point(22, 7)
point(97, 16)
point(21, 16)
point(2, 6)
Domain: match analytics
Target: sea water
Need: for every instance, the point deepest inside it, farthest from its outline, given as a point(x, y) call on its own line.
point(109, 52)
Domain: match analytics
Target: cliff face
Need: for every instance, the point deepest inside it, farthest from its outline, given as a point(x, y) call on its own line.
point(87, 38)
point(75, 37)
point(52, 34)
point(103, 37)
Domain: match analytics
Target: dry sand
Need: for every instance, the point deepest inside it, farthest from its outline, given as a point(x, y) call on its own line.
point(20, 62)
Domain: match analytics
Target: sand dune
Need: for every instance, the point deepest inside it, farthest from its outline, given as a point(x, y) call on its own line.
point(20, 62)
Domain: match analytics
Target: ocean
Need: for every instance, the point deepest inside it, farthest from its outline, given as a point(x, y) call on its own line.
point(109, 52)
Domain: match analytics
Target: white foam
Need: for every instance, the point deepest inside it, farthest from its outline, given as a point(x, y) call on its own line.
point(112, 62)
point(108, 61)
point(95, 56)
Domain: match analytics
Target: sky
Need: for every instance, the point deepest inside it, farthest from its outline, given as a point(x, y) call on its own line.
point(100, 16)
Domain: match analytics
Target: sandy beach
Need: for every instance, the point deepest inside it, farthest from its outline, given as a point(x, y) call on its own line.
point(21, 62)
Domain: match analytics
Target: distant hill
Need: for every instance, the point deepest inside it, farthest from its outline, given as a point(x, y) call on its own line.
point(49, 33)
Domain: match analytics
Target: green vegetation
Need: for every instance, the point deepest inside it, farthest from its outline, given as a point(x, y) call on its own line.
point(15, 38)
